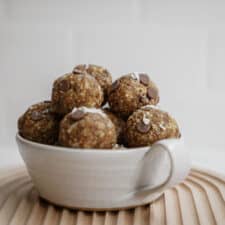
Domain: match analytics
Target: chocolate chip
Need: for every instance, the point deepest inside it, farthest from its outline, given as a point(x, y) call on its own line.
point(77, 115)
point(64, 85)
point(152, 93)
point(165, 118)
point(36, 116)
point(115, 85)
point(144, 79)
point(143, 128)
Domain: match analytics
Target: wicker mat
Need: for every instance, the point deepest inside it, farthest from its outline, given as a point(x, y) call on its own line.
point(200, 199)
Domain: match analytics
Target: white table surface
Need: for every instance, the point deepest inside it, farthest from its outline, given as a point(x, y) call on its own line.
point(202, 158)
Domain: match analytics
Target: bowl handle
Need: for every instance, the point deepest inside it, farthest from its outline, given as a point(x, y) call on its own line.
point(179, 164)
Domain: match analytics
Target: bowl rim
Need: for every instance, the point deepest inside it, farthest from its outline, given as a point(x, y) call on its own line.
point(71, 150)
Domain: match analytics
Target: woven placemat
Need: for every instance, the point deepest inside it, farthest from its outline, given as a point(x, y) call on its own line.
point(200, 199)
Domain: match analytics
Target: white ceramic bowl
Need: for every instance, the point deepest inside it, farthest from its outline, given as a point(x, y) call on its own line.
point(104, 179)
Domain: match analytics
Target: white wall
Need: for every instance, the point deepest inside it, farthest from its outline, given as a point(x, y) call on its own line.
point(180, 43)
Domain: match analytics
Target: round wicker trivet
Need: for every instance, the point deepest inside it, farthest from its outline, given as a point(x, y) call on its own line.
point(200, 199)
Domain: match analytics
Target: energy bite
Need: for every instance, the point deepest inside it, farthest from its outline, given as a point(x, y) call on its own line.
point(130, 92)
point(101, 74)
point(75, 90)
point(118, 123)
point(148, 125)
point(87, 128)
point(39, 123)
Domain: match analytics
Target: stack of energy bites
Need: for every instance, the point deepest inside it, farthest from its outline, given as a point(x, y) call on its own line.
point(87, 110)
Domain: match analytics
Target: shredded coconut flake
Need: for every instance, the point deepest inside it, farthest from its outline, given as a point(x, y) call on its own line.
point(150, 107)
point(90, 110)
point(162, 126)
point(118, 147)
point(106, 106)
point(135, 75)
point(146, 120)
point(71, 128)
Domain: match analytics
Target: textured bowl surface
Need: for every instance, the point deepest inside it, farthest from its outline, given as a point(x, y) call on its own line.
point(100, 179)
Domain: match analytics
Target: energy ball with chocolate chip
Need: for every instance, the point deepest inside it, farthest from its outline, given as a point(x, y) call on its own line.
point(130, 92)
point(75, 90)
point(119, 124)
point(101, 74)
point(39, 124)
point(148, 125)
point(87, 128)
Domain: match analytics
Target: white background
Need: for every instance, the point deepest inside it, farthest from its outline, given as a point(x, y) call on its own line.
point(181, 44)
